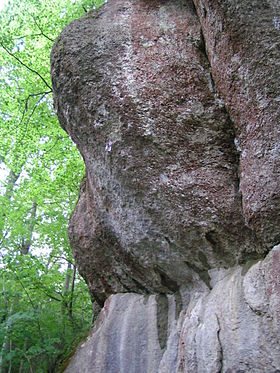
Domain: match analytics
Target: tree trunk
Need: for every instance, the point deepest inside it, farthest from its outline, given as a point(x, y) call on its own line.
point(10, 185)
point(10, 363)
point(5, 344)
point(72, 292)
point(26, 241)
point(22, 360)
point(64, 304)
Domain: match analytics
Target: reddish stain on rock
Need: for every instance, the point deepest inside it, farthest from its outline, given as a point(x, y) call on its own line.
point(161, 204)
point(243, 48)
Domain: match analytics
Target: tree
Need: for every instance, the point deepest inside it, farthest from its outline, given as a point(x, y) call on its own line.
point(43, 171)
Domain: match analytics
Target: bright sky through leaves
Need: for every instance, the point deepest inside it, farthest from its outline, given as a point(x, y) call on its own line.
point(3, 3)
point(3, 170)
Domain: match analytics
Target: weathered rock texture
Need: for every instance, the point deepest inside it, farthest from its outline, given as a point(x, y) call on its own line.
point(242, 42)
point(233, 328)
point(174, 106)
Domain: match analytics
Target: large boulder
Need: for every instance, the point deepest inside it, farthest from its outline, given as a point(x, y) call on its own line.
point(161, 202)
point(174, 106)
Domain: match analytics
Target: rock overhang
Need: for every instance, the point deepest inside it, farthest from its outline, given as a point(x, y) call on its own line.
point(162, 202)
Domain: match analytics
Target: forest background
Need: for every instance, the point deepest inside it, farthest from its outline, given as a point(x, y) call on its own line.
point(45, 309)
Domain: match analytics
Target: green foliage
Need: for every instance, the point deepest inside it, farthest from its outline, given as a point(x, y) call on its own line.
point(42, 314)
point(37, 325)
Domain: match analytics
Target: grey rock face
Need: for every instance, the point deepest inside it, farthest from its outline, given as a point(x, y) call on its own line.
point(235, 328)
point(133, 88)
point(232, 328)
point(174, 107)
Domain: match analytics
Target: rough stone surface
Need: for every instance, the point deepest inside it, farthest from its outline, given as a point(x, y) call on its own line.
point(243, 43)
point(174, 106)
point(233, 328)
point(161, 203)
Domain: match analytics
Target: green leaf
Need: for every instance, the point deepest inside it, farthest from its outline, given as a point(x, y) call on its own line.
point(43, 169)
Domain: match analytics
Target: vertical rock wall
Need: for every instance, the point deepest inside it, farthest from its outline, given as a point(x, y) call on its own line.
point(232, 328)
point(242, 42)
point(174, 106)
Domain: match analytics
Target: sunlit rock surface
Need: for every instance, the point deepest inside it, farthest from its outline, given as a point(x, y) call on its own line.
point(233, 328)
point(174, 107)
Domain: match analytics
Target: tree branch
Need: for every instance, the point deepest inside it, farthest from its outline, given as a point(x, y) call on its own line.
point(50, 296)
point(34, 95)
point(42, 94)
point(42, 33)
point(63, 258)
point(34, 108)
point(26, 66)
